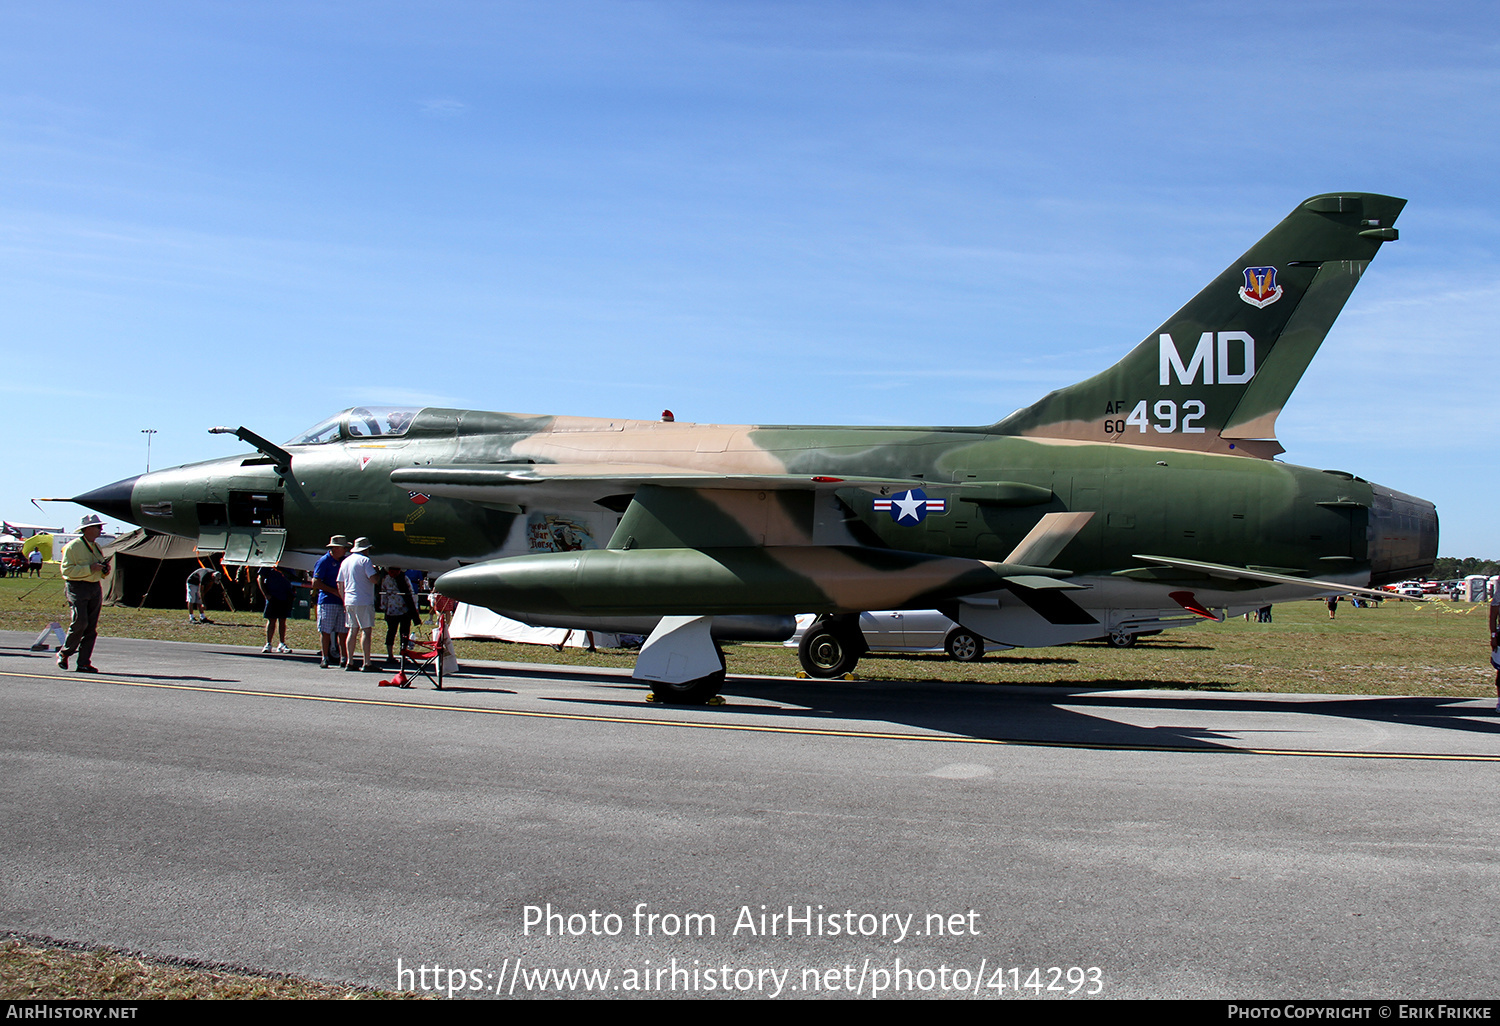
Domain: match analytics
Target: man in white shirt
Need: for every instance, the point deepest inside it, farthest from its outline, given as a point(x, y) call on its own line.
point(357, 589)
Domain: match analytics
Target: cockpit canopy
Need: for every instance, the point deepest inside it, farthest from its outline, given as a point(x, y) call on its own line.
point(360, 422)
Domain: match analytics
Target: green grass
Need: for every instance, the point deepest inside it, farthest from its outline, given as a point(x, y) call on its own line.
point(1401, 648)
point(46, 972)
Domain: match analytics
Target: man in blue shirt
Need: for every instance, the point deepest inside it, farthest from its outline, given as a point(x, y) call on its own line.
point(331, 626)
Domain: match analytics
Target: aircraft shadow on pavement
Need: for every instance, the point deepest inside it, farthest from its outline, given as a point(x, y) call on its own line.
point(1003, 712)
point(449, 689)
point(988, 712)
point(1447, 713)
point(975, 711)
point(564, 673)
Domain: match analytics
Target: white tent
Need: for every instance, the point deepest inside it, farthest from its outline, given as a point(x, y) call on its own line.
point(478, 622)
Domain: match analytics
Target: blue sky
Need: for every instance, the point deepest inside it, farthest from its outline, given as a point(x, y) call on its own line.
point(749, 212)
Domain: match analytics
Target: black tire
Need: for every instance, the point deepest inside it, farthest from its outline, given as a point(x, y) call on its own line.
point(964, 646)
point(1120, 639)
point(828, 652)
point(692, 692)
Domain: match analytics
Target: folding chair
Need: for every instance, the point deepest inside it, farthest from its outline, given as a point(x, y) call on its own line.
point(423, 658)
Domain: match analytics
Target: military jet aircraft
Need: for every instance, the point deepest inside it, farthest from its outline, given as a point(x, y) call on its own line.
point(1143, 498)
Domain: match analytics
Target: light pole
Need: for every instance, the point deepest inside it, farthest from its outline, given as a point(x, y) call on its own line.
point(148, 432)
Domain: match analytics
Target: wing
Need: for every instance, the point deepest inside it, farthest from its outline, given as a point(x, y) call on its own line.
point(1239, 573)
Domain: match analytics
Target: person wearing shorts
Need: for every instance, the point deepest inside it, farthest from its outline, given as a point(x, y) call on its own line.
point(331, 626)
point(277, 591)
point(357, 589)
point(199, 581)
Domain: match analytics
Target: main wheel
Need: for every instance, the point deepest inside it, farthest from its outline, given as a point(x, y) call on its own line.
point(827, 652)
point(964, 646)
point(1121, 639)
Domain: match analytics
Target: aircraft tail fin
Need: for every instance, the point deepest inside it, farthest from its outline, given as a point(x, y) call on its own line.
point(1217, 373)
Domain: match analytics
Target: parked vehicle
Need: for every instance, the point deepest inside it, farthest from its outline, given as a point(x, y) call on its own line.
point(888, 630)
point(1473, 588)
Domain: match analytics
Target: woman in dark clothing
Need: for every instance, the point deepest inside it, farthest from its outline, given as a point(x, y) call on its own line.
point(400, 606)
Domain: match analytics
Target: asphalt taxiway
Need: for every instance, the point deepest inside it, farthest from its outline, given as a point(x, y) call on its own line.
point(213, 803)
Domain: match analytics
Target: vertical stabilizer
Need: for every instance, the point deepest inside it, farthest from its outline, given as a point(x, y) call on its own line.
point(1217, 373)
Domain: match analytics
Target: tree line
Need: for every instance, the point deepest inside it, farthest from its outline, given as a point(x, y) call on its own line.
point(1447, 568)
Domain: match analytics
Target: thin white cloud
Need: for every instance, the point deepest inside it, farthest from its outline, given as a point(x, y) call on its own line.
point(443, 109)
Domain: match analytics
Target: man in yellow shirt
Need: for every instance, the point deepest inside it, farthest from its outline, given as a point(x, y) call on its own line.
point(83, 567)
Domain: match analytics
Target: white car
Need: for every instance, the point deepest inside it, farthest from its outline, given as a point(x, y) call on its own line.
point(893, 630)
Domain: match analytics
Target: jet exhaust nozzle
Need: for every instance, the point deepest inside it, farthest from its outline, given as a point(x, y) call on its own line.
point(1403, 536)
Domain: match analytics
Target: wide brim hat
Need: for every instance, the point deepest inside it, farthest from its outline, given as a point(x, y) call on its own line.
point(363, 545)
point(90, 520)
point(338, 541)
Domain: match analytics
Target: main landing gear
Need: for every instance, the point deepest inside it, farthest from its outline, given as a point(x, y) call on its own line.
point(832, 646)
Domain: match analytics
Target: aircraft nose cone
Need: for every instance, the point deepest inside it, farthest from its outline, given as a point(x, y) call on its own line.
point(113, 500)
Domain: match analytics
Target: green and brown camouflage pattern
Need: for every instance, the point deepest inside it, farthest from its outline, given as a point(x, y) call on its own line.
point(1167, 453)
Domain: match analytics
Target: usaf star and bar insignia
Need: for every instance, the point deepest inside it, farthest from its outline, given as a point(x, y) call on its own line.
point(911, 507)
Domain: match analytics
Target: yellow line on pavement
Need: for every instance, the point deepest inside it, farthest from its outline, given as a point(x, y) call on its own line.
point(760, 728)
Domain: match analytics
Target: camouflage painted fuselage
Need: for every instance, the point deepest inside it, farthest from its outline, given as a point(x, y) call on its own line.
point(780, 519)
